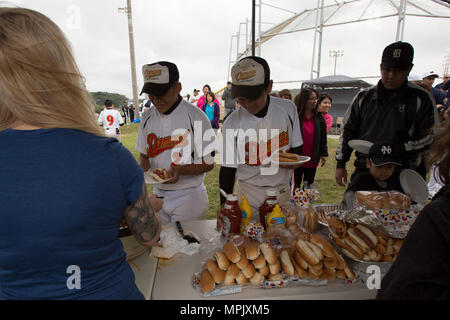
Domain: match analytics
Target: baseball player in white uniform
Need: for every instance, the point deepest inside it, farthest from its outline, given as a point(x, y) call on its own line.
point(111, 120)
point(166, 140)
point(275, 122)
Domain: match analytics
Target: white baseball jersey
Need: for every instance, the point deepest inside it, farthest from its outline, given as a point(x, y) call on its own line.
point(175, 138)
point(281, 115)
point(110, 119)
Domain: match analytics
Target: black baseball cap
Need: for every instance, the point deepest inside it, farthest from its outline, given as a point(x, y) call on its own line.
point(159, 77)
point(381, 153)
point(249, 77)
point(397, 55)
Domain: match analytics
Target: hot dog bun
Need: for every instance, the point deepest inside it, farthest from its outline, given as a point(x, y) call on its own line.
point(369, 234)
point(286, 264)
point(323, 244)
point(159, 174)
point(222, 260)
point(232, 252)
point(307, 253)
point(268, 252)
point(207, 282)
point(252, 250)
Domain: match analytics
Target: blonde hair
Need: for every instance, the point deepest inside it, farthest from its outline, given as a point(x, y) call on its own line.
point(40, 82)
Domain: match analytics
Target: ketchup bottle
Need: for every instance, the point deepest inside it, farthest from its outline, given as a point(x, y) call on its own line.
point(268, 206)
point(232, 216)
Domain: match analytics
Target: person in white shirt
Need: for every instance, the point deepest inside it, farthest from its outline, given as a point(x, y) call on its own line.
point(166, 140)
point(276, 124)
point(194, 98)
point(111, 120)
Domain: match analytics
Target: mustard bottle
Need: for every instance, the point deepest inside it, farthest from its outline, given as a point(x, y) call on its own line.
point(276, 218)
point(246, 213)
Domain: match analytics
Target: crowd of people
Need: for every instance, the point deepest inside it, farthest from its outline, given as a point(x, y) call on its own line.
point(66, 184)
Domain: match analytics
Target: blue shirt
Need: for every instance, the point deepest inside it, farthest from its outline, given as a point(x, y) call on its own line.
point(62, 194)
point(209, 110)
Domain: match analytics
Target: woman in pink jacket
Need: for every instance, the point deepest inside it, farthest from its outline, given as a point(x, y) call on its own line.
point(324, 105)
point(202, 100)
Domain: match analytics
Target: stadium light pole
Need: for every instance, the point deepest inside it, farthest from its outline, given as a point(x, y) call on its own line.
point(336, 54)
point(128, 11)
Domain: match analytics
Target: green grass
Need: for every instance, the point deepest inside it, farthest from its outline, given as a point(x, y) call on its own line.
point(325, 181)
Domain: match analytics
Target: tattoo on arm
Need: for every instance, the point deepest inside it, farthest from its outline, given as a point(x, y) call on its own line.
point(141, 218)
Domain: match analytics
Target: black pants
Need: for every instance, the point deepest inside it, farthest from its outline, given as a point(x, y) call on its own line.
point(307, 175)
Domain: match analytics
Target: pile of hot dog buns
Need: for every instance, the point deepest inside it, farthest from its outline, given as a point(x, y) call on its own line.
point(312, 258)
point(360, 243)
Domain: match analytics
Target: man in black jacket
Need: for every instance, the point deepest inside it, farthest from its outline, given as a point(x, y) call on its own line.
point(393, 110)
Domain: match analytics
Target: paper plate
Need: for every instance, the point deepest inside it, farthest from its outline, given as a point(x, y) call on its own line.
point(301, 159)
point(360, 145)
point(150, 180)
point(414, 185)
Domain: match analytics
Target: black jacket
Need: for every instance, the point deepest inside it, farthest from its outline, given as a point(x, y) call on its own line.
point(405, 116)
point(422, 268)
point(320, 137)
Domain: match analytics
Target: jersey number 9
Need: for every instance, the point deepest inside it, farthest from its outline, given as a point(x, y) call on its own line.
point(110, 120)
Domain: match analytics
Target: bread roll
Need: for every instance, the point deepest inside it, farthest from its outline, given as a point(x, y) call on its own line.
point(243, 262)
point(340, 274)
point(307, 253)
point(387, 259)
point(257, 279)
point(330, 263)
point(317, 272)
point(351, 248)
point(264, 271)
point(229, 279)
point(259, 262)
point(316, 267)
point(286, 263)
point(301, 262)
point(241, 279)
point(397, 245)
point(207, 282)
point(234, 270)
point(222, 260)
point(349, 273)
point(323, 244)
point(316, 249)
point(381, 235)
point(313, 276)
point(389, 250)
point(328, 274)
point(300, 234)
point(378, 258)
point(275, 268)
point(252, 250)
point(301, 273)
point(249, 271)
point(268, 252)
point(372, 254)
point(337, 227)
point(310, 220)
point(217, 274)
point(366, 257)
point(382, 241)
point(232, 252)
point(276, 277)
point(380, 248)
point(341, 264)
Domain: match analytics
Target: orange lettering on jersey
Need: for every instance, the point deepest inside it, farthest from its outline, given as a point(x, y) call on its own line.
point(157, 145)
point(256, 153)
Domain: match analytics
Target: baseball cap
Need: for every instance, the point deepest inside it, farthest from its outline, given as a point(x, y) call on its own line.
point(397, 55)
point(159, 77)
point(429, 73)
point(414, 77)
point(196, 90)
point(249, 77)
point(381, 153)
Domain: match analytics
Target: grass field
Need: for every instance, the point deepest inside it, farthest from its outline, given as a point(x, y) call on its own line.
point(325, 181)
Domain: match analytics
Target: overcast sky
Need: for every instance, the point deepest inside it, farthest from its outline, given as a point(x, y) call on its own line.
point(196, 35)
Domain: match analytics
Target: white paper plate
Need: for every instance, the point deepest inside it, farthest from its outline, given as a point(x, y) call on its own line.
point(360, 145)
point(150, 180)
point(301, 159)
point(414, 185)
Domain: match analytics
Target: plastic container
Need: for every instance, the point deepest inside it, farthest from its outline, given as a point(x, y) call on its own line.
point(232, 216)
point(276, 218)
point(268, 206)
point(246, 213)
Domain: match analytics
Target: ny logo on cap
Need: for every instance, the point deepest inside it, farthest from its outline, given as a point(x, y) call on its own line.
point(385, 149)
point(397, 53)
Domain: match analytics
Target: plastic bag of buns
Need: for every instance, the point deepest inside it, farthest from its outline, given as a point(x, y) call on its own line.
point(389, 200)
